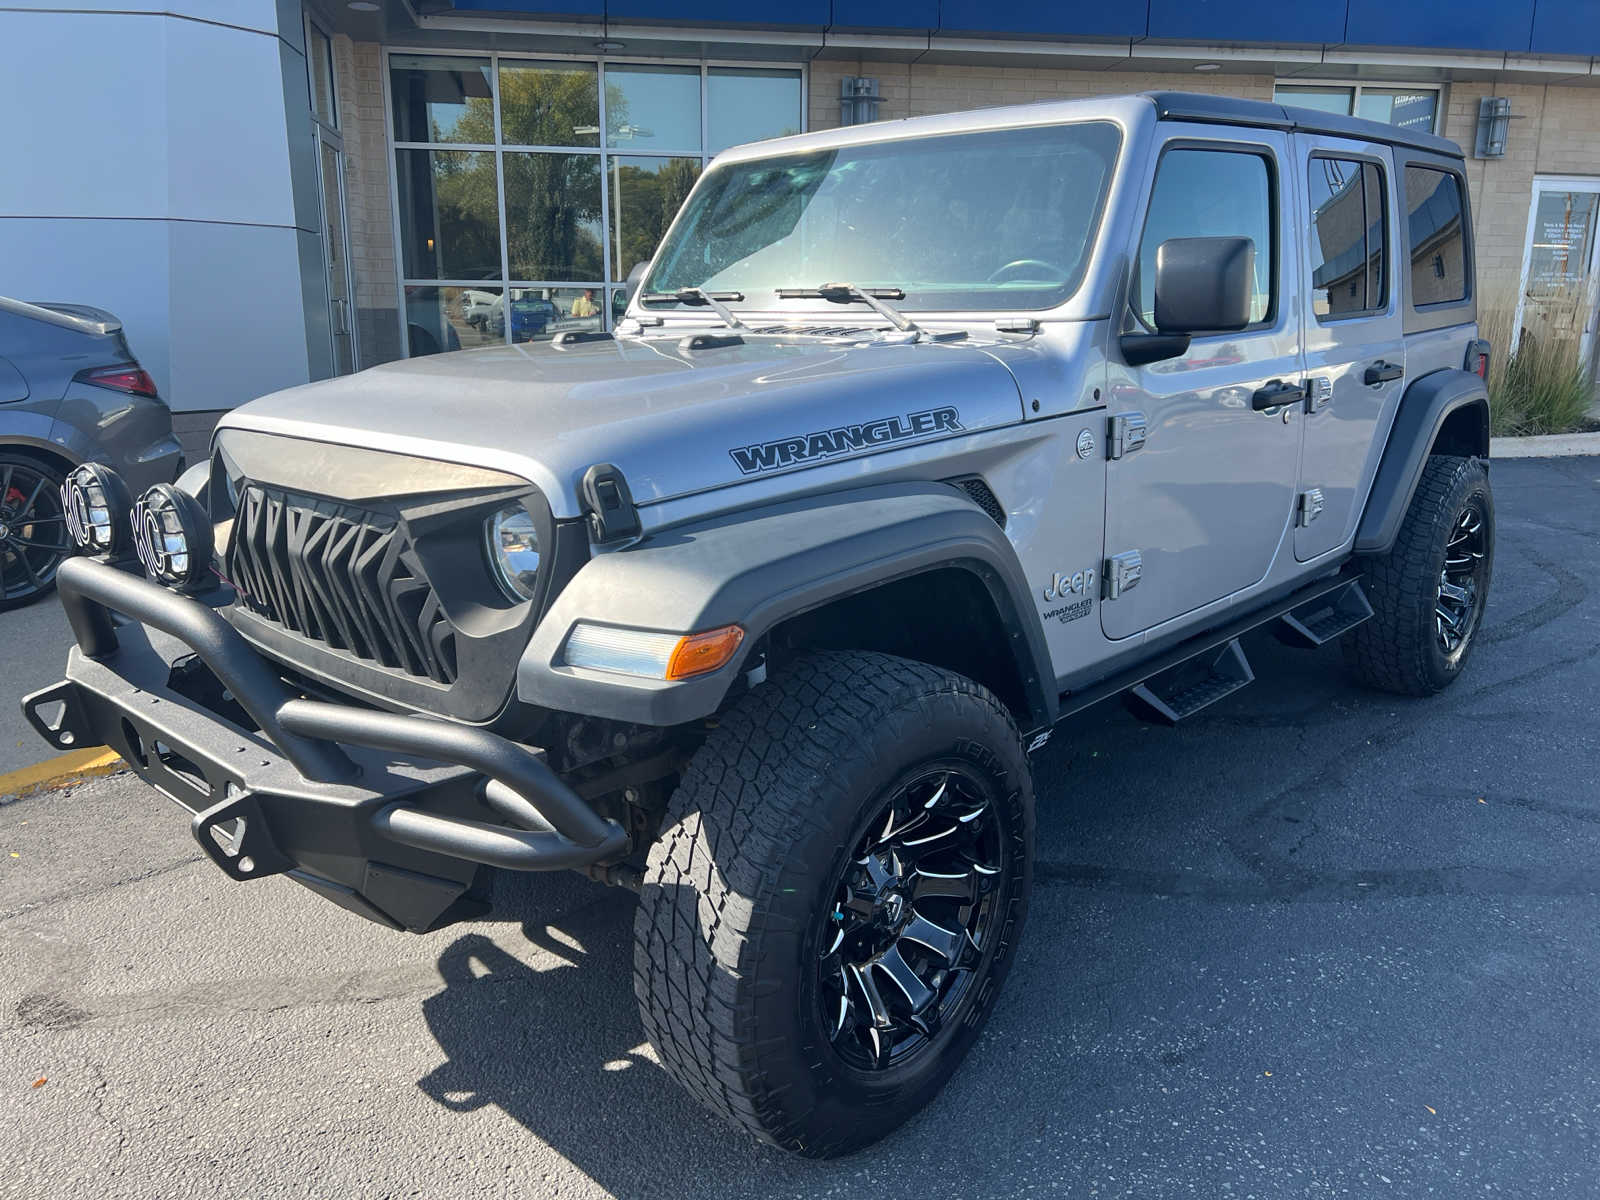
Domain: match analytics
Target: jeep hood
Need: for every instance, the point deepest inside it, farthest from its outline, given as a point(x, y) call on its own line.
point(674, 420)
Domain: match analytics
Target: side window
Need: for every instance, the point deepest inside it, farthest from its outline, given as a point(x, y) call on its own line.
point(1438, 248)
point(1349, 237)
point(1211, 193)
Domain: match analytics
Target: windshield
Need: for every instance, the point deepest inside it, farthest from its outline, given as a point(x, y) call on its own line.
point(992, 220)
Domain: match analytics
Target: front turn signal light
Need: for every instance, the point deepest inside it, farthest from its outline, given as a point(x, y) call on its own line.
point(703, 652)
point(649, 654)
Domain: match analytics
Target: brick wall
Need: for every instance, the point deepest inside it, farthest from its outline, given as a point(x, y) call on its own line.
point(358, 67)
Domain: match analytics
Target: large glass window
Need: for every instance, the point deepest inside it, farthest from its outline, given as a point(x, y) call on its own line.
point(528, 188)
point(1414, 108)
point(1438, 249)
point(1211, 193)
point(1349, 233)
point(956, 222)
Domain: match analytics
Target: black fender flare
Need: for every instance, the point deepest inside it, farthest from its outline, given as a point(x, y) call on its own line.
point(763, 565)
point(1425, 408)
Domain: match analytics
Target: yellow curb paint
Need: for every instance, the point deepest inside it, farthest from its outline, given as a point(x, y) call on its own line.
point(61, 770)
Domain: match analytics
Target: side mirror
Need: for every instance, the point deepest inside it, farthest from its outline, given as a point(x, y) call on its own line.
point(635, 278)
point(1203, 284)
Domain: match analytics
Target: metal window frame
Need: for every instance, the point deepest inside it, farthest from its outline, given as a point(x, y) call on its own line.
point(333, 135)
point(1385, 185)
point(1558, 183)
point(1356, 87)
point(605, 287)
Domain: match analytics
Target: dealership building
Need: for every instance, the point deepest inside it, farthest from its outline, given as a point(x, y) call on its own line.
point(269, 192)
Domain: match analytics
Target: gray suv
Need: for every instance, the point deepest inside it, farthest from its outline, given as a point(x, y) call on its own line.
point(916, 439)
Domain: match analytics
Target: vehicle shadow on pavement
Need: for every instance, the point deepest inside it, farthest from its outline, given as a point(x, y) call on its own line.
point(556, 1044)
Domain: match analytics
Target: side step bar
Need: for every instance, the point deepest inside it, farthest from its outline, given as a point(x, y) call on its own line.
point(1159, 690)
point(1184, 691)
point(1317, 622)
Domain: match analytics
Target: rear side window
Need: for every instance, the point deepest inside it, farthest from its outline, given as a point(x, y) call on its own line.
point(1438, 244)
point(1210, 193)
point(1349, 238)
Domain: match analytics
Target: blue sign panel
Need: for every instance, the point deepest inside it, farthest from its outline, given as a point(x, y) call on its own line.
point(1457, 25)
point(1049, 18)
point(1246, 21)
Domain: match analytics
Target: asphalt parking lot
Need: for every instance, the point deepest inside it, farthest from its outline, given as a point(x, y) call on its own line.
point(1317, 942)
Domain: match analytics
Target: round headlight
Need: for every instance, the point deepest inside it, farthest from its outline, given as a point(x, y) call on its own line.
point(96, 503)
point(173, 537)
point(514, 551)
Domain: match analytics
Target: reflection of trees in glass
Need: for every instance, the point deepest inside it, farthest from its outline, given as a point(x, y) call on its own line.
point(453, 194)
point(549, 106)
point(645, 198)
point(553, 216)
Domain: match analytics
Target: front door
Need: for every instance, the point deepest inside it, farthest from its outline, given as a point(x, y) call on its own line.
point(1558, 298)
point(1355, 347)
point(1206, 501)
point(336, 248)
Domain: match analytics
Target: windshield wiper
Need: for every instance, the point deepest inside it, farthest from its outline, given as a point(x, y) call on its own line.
point(874, 298)
point(700, 297)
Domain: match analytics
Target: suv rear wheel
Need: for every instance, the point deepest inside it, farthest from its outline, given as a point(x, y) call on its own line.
point(835, 898)
point(1428, 593)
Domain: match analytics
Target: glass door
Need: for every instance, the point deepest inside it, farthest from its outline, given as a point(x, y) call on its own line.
point(336, 243)
point(1559, 296)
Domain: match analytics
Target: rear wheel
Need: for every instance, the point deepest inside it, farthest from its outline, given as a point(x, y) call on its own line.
point(835, 898)
point(33, 529)
point(1428, 593)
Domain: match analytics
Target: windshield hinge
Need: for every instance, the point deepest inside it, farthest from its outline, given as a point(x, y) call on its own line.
point(1016, 325)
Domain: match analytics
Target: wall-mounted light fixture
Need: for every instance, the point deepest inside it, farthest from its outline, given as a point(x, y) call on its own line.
point(1494, 123)
point(858, 100)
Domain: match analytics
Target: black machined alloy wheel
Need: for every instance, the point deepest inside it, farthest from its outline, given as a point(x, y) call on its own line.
point(33, 530)
point(1429, 591)
point(910, 918)
point(1461, 580)
point(835, 897)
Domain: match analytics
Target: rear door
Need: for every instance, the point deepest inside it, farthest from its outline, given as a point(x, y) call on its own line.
point(1354, 343)
point(1205, 503)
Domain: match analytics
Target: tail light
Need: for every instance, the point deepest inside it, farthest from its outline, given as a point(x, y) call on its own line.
point(121, 377)
point(1478, 358)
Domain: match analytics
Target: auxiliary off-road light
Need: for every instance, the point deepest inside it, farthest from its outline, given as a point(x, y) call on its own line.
point(650, 654)
point(96, 502)
point(172, 534)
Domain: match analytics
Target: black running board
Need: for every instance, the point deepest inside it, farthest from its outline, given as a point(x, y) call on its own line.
point(1213, 642)
point(1190, 686)
point(1317, 622)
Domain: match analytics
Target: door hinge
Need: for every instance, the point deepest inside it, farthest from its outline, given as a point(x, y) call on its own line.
point(1319, 390)
point(1309, 507)
point(1125, 433)
point(1123, 572)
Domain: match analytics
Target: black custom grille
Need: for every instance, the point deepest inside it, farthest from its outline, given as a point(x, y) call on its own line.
point(342, 576)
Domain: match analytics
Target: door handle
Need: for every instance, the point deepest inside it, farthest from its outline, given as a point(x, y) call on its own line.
point(1382, 372)
point(1276, 394)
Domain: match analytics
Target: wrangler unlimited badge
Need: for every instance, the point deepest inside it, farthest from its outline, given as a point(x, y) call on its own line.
point(786, 452)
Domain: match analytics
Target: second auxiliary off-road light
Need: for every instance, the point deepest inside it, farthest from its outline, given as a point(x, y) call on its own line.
point(172, 534)
point(96, 503)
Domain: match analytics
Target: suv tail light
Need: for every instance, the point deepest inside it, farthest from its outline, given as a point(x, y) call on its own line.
point(1478, 358)
point(121, 377)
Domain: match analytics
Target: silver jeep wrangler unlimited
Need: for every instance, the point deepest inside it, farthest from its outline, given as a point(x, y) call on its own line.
point(916, 439)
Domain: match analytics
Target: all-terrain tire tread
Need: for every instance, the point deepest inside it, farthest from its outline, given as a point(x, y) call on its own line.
point(1389, 651)
point(759, 778)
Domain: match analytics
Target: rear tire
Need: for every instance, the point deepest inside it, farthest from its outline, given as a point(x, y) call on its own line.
point(1428, 593)
point(833, 809)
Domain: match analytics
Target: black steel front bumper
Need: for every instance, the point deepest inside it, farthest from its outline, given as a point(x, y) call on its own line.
point(392, 816)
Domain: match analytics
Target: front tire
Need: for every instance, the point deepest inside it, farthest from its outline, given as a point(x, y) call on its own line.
point(33, 529)
point(835, 898)
point(1428, 593)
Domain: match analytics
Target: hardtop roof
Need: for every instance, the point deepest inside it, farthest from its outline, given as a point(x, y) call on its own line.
point(1230, 110)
